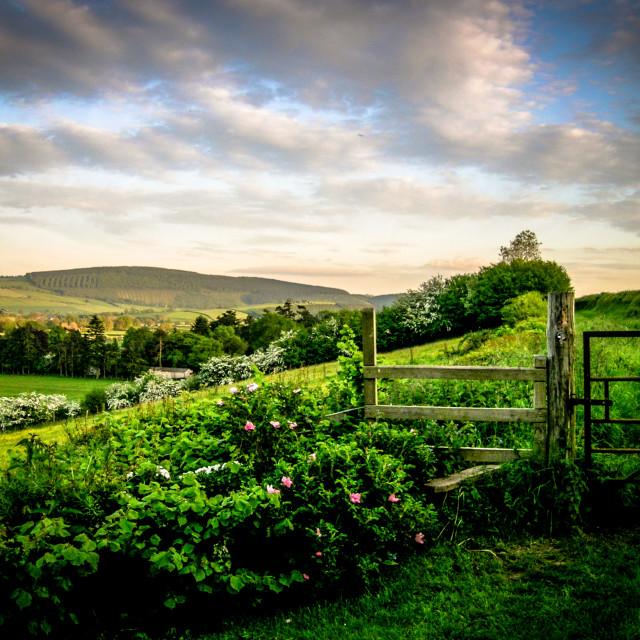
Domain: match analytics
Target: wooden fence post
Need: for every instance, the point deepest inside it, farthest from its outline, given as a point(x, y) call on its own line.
point(561, 425)
point(369, 358)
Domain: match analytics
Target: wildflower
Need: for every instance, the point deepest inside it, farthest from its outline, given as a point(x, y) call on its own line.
point(305, 576)
point(412, 430)
point(297, 390)
point(270, 489)
point(249, 426)
point(318, 532)
point(287, 482)
point(419, 538)
point(355, 498)
point(252, 387)
point(275, 424)
point(292, 425)
point(161, 471)
point(312, 457)
point(318, 554)
point(220, 403)
point(392, 498)
point(233, 390)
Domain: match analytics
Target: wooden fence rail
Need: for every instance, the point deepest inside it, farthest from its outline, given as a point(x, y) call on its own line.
point(551, 415)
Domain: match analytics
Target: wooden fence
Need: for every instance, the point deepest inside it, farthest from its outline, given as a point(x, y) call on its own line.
point(552, 414)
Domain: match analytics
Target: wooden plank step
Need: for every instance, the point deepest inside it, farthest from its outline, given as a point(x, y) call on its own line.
point(440, 485)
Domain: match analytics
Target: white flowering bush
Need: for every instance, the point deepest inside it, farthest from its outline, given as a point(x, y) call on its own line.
point(120, 395)
point(227, 369)
point(156, 388)
point(29, 409)
point(144, 389)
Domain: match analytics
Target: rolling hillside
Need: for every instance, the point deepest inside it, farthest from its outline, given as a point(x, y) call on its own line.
point(114, 288)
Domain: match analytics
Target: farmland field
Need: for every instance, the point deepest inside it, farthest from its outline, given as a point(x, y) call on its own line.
point(73, 388)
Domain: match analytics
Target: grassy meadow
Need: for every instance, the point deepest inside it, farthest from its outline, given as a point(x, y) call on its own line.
point(73, 388)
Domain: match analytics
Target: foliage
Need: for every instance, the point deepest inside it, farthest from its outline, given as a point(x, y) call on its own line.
point(528, 305)
point(251, 494)
point(524, 246)
point(494, 286)
point(34, 408)
point(226, 369)
point(524, 496)
point(144, 389)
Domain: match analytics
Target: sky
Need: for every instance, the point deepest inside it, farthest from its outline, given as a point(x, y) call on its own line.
point(367, 145)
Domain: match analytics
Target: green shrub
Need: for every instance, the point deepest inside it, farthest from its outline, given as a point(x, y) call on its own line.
point(95, 401)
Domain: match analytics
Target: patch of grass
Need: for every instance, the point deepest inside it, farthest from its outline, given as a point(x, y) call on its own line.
point(553, 590)
point(73, 388)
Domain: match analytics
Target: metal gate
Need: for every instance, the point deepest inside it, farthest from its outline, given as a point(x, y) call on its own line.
point(590, 402)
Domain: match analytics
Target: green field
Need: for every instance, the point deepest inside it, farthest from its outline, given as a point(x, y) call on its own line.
point(73, 388)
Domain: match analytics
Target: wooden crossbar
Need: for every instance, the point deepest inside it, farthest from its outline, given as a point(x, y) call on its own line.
point(441, 485)
point(464, 414)
point(456, 373)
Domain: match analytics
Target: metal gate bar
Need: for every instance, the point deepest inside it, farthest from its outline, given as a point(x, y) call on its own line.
point(606, 402)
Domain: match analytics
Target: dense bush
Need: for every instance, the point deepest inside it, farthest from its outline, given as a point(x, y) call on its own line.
point(29, 409)
point(252, 493)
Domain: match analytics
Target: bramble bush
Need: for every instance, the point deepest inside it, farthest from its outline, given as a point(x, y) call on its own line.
point(251, 494)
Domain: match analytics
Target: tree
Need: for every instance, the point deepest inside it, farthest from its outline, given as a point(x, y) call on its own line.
point(524, 246)
point(497, 284)
point(286, 309)
point(200, 326)
point(96, 336)
point(133, 357)
point(228, 319)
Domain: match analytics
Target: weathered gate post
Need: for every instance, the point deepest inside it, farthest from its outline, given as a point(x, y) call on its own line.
point(561, 424)
point(369, 351)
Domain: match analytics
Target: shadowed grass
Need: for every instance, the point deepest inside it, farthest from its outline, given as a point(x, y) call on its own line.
point(582, 588)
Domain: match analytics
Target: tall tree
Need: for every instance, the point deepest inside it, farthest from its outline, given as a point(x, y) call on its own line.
point(97, 339)
point(524, 246)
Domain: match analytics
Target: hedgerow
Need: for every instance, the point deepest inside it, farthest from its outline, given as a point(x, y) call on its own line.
point(253, 493)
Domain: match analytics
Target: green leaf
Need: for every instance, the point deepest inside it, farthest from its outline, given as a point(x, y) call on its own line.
point(236, 583)
point(22, 598)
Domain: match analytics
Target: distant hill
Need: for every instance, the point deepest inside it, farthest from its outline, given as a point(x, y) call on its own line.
point(153, 287)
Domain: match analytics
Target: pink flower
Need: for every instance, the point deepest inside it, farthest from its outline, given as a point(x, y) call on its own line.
point(287, 482)
point(318, 553)
point(318, 533)
point(419, 538)
point(270, 489)
point(233, 390)
point(355, 498)
point(292, 425)
point(305, 576)
point(392, 498)
point(275, 424)
point(412, 430)
point(252, 387)
point(220, 403)
point(312, 457)
point(249, 426)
